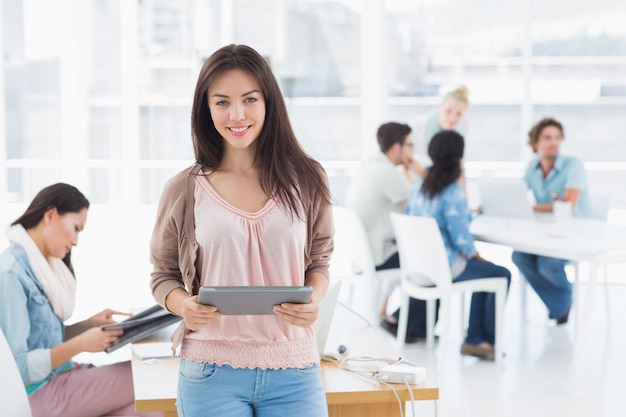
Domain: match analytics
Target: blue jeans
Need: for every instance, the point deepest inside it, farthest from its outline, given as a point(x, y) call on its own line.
point(482, 319)
point(206, 389)
point(548, 278)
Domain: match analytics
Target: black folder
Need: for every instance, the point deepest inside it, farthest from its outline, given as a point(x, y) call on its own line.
point(141, 325)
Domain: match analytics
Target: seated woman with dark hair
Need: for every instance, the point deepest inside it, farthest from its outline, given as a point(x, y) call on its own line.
point(441, 195)
point(38, 292)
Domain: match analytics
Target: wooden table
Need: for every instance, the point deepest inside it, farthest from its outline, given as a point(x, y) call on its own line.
point(155, 382)
point(348, 395)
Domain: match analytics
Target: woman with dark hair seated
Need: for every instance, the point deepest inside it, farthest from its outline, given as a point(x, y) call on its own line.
point(38, 293)
point(441, 195)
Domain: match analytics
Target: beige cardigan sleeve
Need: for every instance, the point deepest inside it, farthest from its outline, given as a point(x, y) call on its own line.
point(320, 243)
point(172, 246)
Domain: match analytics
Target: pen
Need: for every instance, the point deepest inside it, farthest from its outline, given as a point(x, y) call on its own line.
point(555, 197)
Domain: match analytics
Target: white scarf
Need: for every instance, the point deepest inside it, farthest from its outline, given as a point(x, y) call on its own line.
point(57, 280)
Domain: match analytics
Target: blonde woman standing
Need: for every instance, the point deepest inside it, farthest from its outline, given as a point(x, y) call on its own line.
point(449, 116)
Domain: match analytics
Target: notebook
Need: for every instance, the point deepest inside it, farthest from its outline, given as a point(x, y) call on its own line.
point(506, 198)
point(152, 350)
point(141, 325)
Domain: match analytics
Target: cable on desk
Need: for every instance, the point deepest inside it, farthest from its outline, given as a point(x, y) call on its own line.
point(400, 407)
point(343, 363)
point(408, 387)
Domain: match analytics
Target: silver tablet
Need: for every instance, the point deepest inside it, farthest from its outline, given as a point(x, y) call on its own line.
point(252, 300)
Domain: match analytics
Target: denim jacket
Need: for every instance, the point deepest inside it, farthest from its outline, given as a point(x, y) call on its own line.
point(27, 319)
point(450, 210)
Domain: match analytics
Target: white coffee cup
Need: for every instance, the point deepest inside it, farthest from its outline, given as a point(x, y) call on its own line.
point(562, 210)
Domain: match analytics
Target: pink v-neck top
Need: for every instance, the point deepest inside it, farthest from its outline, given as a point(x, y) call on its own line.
point(240, 248)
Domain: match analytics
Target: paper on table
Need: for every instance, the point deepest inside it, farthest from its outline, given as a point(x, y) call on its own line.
point(152, 350)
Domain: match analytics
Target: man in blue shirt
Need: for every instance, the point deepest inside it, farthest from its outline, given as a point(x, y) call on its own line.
point(552, 176)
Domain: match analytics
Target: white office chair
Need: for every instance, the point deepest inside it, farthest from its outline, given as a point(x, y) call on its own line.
point(13, 397)
point(353, 260)
point(600, 204)
point(423, 255)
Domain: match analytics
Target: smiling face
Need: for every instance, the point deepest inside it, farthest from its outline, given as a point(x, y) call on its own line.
point(451, 112)
point(548, 142)
point(61, 231)
point(237, 108)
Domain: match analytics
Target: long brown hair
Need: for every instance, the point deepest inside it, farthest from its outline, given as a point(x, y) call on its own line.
point(64, 197)
point(285, 171)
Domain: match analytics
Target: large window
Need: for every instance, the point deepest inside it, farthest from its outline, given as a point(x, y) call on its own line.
point(98, 92)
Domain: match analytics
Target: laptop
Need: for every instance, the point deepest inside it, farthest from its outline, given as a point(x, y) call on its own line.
point(506, 198)
point(325, 317)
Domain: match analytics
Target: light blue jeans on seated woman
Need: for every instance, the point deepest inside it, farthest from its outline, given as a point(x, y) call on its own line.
point(482, 316)
point(548, 278)
point(206, 390)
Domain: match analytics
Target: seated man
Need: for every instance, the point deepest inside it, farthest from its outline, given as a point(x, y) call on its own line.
point(551, 175)
point(379, 189)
